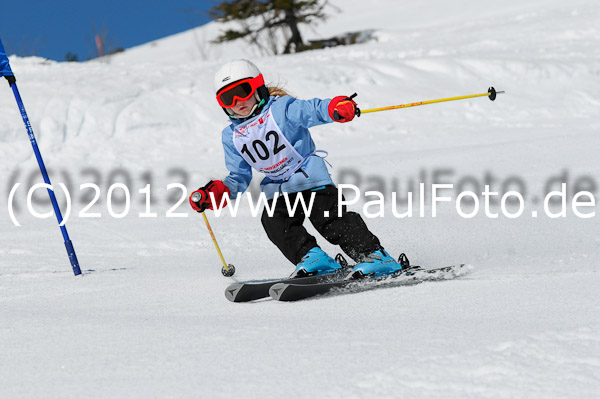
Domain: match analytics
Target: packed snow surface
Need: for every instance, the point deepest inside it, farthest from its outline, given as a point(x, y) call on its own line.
point(149, 317)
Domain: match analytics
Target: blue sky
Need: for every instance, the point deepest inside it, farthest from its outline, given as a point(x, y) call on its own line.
point(52, 28)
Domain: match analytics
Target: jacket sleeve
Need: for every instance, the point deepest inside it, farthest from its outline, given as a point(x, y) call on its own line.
point(240, 173)
point(306, 113)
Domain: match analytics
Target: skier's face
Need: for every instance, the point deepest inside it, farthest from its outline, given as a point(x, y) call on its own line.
point(243, 108)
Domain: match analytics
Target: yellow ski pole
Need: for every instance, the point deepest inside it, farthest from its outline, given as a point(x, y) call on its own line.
point(491, 93)
point(226, 270)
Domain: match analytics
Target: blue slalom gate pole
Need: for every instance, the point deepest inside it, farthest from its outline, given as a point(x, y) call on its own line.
point(8, 74)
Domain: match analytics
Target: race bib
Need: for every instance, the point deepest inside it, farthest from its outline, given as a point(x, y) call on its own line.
point(262, 144)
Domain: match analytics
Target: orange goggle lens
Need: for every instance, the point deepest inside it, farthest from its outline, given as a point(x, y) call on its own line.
point(241, 90)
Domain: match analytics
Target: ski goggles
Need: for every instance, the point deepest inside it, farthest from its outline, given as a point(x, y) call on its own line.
point(241, 90)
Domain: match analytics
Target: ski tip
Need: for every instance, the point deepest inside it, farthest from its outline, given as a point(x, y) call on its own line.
point(277, 290)
point(232, 290)
point(458, 270)
point(466, 268)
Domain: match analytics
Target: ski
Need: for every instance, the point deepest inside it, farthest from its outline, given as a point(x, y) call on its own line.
point(253, 290)
point(290, 291)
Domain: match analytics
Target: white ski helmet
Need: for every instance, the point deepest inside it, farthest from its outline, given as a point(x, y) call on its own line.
point(238, 80)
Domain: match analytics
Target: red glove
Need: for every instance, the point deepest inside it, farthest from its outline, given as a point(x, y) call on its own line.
point(342, 109)
point(217, 188)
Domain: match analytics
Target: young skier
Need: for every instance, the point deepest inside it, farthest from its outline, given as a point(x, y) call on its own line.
point(269, 132)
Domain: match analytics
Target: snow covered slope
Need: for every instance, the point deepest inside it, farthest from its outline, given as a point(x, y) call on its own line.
point(149, 319)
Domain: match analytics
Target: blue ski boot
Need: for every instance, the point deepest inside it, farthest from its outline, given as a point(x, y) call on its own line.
point(376, 264)
point(315, 262)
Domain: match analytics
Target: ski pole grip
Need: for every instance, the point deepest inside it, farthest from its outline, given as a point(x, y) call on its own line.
point(356, 109)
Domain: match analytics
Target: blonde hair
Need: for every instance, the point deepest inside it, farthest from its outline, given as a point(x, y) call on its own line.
point(278, 90)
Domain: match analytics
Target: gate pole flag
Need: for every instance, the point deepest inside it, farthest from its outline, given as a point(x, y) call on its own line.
point(8, 74)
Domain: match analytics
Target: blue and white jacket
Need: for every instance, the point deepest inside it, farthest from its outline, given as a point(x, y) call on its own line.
point(293, 117)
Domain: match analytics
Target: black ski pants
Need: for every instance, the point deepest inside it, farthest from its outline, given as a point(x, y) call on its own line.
point(348, 231)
